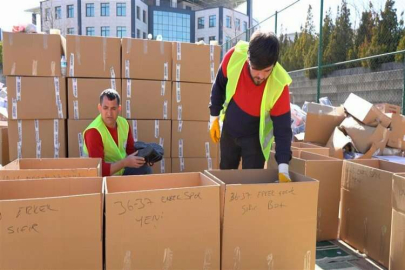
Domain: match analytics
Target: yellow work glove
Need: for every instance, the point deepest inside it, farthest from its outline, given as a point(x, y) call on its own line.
point(283, 175)
point(214, 129)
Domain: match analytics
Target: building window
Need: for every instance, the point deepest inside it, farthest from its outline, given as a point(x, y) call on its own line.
point(188, 8)
point(90, 31)
point(105, 9)
point(212, 38)
point(213, 20)
point(138, 13)
point(58, 13)
point(172, 26)
point(200, 39)
point(121, 31)
point(144, 16)
point(144, 35)
point(47, 14)
point(228, 22)
point(201, 23)
point(121, 9)
point(237, 24)
point(70, 31)
point(244, 26)
point(138, 33)
point(105, 31)
point(227, 43)
point(70, 11)
point(90, 10)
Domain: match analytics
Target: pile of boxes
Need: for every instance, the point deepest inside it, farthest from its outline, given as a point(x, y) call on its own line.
point(167, 221)
point(36, 96)
point(164, 87)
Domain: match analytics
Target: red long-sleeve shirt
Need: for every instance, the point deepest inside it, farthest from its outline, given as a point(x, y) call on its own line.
point(95, 146)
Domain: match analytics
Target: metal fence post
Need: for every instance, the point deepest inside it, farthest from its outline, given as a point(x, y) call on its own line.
point(403, 88)
point(275, 22)
point(318, 91)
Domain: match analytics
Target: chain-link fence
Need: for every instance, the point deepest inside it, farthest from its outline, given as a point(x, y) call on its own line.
point(354, 46)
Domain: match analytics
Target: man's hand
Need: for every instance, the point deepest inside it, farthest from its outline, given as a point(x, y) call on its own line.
point(283, 175)
point(214, 129)
point(134, 161)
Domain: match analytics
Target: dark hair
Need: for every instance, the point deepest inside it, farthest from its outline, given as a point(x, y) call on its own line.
point(111, 94)
point(263, 50)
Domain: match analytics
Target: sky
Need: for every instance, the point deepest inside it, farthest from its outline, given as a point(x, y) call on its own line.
point(289, 21)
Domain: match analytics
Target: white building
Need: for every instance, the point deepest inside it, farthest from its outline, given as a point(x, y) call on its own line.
point(174, 20)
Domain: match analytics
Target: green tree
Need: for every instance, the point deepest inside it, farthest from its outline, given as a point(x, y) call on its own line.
point(386, 35)
point(341, 38)
point(401, 46)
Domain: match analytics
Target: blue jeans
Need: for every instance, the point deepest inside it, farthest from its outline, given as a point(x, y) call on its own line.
point(145, 169)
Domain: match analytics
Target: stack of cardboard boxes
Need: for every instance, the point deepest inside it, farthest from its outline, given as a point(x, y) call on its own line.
point(193, 72)
point(146, 95)
point(93, 65)
point(36, 95)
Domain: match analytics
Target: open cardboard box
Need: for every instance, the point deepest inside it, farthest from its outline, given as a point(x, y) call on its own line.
point(267, 224)
point(51, 223)
point(162, 221)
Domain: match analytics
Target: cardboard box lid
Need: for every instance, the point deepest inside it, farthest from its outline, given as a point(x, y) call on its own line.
point(397, 136)
point(388, 108)
point(365, 112)
point(158, 55)
point(50, 188)
point(51, 168)
point(398, 193)
point(337, 142)
point(321, 121)
point(31, 54)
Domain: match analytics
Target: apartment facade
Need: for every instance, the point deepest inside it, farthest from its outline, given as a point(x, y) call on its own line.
point(172, 20)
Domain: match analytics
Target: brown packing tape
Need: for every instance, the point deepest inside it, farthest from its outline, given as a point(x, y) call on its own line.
point(34, 67)
point(162, 47)
point(365, 236)
point(145, 46)
point(53, 67)
point(12, 72)
point(382, 241)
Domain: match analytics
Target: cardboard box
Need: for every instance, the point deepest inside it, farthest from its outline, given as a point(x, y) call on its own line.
point(76, 138)
point(321, 122)
point(36, 98)
point(137, 52)
point(389, 108)
point(267, 224)
point(366, 209)
point(308, 147)
point(180, 165)
point(192, 139)
point(397, 259)
point(173, 220)
point(37, 138)
point(363, 136)
point(397, 136)
point(51, 224)
point(365, 112)
point(31, 54)
point(4, 155)
point(194, 62)
point(84, 96)
point(153, 131)
point(163, 166)
point(32, 168)
point(146, 99)
point(93, 57)
point(328, 171)
point(338, 142)
point(190, 101)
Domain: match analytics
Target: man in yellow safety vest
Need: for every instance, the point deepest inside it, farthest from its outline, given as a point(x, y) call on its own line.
point(251, 96)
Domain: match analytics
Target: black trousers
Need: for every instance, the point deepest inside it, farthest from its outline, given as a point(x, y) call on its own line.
point(247, 148)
